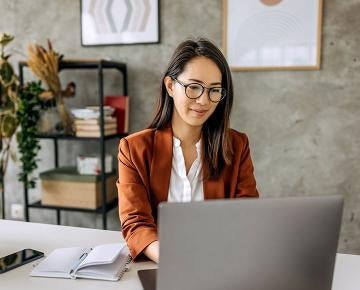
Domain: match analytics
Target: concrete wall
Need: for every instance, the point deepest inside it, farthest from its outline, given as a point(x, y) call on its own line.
point(303, 125)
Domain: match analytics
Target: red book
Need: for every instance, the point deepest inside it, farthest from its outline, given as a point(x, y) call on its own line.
point(121, 113)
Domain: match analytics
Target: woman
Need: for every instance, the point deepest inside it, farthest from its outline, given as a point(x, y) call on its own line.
point(188, 153)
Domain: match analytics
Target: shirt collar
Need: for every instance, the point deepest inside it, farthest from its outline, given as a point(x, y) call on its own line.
point(177, 143)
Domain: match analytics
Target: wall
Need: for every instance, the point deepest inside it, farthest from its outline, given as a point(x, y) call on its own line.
point(303, 125)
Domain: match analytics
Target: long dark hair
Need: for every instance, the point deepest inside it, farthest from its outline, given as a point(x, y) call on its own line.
point(216, 144)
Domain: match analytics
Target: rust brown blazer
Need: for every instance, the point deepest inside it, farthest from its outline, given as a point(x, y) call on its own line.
point(145, 161)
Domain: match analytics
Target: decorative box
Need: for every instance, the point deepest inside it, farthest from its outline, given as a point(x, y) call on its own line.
point(92, 164)
point(65, 187)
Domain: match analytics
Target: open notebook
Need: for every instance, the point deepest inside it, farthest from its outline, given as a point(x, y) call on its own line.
point(103, 262)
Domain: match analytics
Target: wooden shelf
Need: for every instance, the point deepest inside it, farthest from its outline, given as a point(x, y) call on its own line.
point(109, 206)
point(98, 66)
point(71, 137)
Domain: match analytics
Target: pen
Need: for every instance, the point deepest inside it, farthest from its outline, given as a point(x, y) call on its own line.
point(77, 263)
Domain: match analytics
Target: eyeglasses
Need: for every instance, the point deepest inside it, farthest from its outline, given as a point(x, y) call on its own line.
point(195, 91)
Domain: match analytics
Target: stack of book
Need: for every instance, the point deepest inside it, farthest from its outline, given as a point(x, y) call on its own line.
point(116, 118)
point(91, 127)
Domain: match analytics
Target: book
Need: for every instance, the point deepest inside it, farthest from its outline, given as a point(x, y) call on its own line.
point(103, 262)
point(96, 133)
point(121, 105)
point(94, 127)
point(107, 120)
point(107, 110)
point(91, 112)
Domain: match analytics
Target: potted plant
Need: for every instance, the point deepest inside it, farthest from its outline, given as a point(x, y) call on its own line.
point(18, 106)
point(9, 86)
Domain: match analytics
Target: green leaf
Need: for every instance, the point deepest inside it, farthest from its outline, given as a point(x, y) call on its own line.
point(8, 125)
point(6, 72)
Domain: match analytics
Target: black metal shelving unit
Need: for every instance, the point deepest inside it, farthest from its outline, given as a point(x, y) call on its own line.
point(99, 66)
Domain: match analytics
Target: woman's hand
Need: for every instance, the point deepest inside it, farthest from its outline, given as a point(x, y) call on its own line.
point(152, 251)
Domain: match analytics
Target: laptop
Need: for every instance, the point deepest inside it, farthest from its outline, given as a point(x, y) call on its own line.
point(247, 244)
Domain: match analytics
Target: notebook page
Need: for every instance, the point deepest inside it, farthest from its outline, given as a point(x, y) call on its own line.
point(103, 254)
point(111, 271)
point(60, 260)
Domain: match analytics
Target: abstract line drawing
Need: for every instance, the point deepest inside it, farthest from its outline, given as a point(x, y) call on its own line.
point(106, 22)
point(272, 34)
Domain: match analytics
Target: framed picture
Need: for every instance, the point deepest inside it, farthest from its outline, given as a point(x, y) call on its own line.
point(109, 22)
point(272, 34)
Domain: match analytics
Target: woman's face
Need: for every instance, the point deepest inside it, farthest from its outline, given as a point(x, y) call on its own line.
point(194, 112)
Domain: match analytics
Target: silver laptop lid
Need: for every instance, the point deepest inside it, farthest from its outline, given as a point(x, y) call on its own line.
point(245, 244)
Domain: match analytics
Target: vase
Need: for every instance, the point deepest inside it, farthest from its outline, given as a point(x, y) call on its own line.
point(49, 121)
point(67, 122)
point(55, 120)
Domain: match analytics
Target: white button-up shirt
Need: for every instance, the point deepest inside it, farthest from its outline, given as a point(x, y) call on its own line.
point(185, 187)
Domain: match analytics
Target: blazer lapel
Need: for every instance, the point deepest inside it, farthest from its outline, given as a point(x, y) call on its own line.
point(161, 164)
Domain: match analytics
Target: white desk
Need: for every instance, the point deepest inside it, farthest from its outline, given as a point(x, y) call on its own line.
point(15, 236)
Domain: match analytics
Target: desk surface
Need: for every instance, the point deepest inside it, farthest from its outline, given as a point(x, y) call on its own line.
point(15, 236)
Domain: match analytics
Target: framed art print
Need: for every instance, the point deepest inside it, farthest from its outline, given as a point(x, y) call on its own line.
point(272, 34)
point(110, 22)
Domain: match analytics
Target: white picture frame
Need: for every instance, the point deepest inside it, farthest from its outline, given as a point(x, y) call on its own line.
point(113, 22)
point(272, 34)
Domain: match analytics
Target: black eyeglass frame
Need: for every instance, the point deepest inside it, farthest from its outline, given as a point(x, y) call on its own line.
point(203, 89)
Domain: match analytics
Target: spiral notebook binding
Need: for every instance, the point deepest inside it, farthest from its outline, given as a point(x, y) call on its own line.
point(125, 267)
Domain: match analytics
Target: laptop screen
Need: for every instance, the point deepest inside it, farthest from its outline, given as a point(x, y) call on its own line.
point(275, 243)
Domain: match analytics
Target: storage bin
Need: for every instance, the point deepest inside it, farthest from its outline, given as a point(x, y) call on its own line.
point(65, 187)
